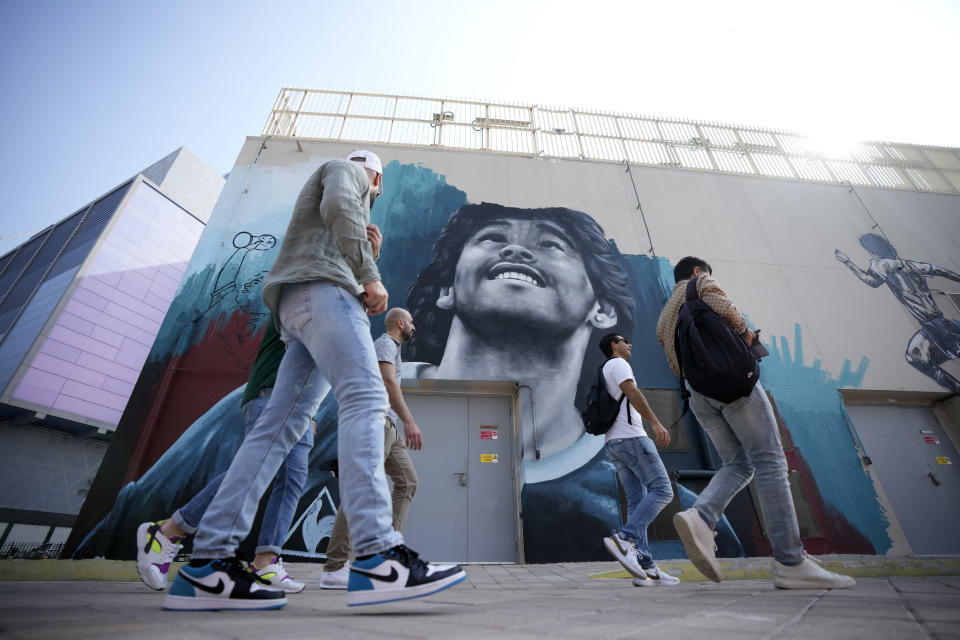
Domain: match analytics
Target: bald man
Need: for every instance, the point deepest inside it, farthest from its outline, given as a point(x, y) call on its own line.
point(397, 463)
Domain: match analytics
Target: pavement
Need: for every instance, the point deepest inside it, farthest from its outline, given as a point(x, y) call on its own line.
point(894, 598)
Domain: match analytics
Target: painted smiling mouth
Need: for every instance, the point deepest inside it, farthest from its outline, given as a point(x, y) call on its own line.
point(517, 273)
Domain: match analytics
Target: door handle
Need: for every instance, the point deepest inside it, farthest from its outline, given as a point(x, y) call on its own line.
point(934, 479)
point(463, 477)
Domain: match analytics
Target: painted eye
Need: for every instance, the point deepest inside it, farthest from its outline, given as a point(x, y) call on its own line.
point(492, 236)
point(552, 244)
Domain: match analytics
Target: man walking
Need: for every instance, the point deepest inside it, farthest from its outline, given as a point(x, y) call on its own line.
point(641, 472)
point(158, 542)
point(320, 290)
point(745, 435)
point(397, 463)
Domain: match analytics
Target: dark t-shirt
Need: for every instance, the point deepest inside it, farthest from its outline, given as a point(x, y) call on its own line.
point(263, 375)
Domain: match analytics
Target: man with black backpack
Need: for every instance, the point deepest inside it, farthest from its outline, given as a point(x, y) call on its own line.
point(732, 407)
point(641, 472)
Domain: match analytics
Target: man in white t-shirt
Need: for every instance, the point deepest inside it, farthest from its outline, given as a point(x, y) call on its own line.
point(641, 472)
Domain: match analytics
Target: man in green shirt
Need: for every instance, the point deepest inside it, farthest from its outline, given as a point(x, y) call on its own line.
point(158, 542)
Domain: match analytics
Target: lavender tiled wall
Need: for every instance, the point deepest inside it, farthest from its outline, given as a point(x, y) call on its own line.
point(91, 357)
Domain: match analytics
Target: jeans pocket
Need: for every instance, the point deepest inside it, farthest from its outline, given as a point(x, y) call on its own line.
point(294, 308)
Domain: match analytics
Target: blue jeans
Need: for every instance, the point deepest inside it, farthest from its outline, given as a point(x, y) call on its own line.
point(327, 334)
point(287, 487)
point(646, 484)
point(745, 435)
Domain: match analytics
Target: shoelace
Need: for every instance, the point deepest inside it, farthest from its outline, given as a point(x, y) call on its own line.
point(412, 557)
point(240, 571)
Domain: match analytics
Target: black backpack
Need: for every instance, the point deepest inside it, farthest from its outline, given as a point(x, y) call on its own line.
point(602, 410)
point(713, 359)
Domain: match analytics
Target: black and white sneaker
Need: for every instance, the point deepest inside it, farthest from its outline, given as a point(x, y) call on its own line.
point(398, 574)
point(223, 583)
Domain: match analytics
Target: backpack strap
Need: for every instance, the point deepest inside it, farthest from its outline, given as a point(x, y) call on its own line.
point(692, 293)
point(602, 380)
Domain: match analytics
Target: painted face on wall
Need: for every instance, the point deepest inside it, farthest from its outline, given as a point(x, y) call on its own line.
point(521, 270)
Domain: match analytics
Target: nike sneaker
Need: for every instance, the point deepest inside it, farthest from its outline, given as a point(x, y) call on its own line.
point(276, 576)
point(335, 579)
point(397, 574)
point(222, 583)
point(656, 577)
point(625, 552)
point(155, 552)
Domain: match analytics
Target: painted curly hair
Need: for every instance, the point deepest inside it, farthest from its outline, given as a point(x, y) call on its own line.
point(600, 256)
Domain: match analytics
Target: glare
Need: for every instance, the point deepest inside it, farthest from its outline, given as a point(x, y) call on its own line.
point(830, 144)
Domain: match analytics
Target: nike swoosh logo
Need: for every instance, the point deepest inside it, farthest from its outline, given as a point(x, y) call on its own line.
point(199, 585)
point(391, 577)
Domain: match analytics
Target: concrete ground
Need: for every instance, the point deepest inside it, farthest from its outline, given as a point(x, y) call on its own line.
point(913, 598)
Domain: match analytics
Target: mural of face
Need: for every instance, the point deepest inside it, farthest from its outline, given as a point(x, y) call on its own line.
point(525, 273)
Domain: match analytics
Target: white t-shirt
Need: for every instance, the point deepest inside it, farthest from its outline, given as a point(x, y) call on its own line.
point(614, 372)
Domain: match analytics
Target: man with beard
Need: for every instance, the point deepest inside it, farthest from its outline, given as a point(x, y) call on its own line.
point(519, 294)
point(399, 328)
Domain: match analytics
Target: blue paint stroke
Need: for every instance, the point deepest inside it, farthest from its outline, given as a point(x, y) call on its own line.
point(808, 399)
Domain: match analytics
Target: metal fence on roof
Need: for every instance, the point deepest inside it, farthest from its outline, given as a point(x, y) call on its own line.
point(548, 132)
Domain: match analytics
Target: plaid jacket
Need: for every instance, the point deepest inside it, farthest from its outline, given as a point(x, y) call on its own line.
point(711, 293)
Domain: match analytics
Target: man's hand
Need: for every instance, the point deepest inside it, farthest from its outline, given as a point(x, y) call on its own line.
point(749, 336)
point(375, 238)
point(414, 436)
point(660, 435)
point(375, 297)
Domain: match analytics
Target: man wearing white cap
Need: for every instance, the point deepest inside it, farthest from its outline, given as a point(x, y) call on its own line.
point(320, 290)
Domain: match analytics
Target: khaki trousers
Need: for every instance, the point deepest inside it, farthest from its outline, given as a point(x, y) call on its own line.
point(399, 467)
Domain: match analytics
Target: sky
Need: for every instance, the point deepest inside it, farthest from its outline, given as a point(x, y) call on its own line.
point(93, 92)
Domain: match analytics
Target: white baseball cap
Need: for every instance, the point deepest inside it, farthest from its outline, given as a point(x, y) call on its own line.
point(370, 160)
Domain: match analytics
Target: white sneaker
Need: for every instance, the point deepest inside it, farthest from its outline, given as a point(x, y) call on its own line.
point(697, 539)
point(656, 577)
point(809, 574)
point(276, 576)
point(397, 574)
point(625, 552)
point(155, 552)
point(335, 579)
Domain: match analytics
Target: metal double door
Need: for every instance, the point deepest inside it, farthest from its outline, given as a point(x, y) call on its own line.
point(465, 506)
point(919, 469)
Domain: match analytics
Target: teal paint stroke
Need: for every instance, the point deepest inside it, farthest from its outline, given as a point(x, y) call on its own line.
point(808, 399)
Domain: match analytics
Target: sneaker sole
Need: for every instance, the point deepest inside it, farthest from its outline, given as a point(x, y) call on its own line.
point(704, 564)
point(331, 587)
point(614, 550)
point(813, 584)
point(361, 598)
point(653, 583)
point(207, 603)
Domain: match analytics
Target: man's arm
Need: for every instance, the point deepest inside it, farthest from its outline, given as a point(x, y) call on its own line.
point(342, 211)
point(639, 402)
point(868, 277)
point(932, 270)
point(397, 403)
point(711, 293)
